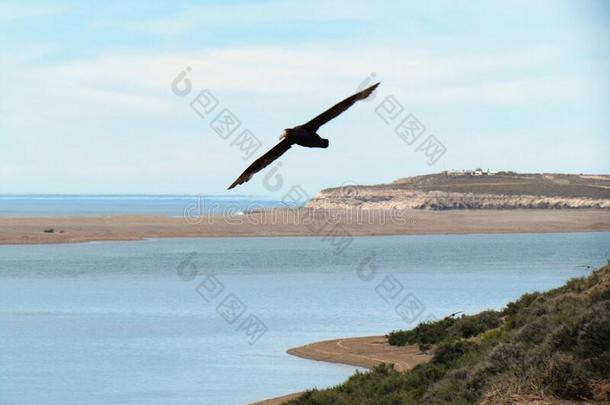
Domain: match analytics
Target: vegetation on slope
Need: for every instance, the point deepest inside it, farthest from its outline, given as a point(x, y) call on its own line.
point(447, 191)
point(510, 183)
point(553, 345)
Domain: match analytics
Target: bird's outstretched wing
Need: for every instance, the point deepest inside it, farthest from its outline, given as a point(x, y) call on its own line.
point(262, 162)
point(454, 314)
point(337, 109)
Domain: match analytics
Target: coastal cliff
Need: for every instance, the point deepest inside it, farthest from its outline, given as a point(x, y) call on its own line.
point(473, 190)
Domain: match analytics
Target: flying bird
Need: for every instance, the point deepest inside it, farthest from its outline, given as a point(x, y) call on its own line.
point(303, 135)
point(454, 314)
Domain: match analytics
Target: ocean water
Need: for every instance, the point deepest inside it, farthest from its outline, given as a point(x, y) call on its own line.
point(90, 205)
point(169, 321)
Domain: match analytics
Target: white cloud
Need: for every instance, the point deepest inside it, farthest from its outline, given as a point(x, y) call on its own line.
point(311, 71)
point(124, 85)
point(13, 11)
point(96, 114)
point(267, 12)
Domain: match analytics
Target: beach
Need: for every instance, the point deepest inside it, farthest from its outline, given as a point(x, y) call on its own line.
point(299, 222)
point(366, 352)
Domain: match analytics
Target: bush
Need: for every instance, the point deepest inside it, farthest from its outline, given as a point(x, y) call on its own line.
point(595, 337)
point(594, 345)
point(425, 332)
point(424, 347)
point(469, 326)
point(503, 357)
point(460, 374)
point(534, 331)
point(447, 329)
point(518, 312)
point(562, 338)
point(449, 352)
point(603, 295)
point(513, 308)
point(451, 390)
point(566, 379)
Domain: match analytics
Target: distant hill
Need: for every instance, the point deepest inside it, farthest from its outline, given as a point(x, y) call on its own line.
point(544, 348)
point(473, 190)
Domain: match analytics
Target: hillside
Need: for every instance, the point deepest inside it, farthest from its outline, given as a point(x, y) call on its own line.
point(544, 348)
point(502, 190)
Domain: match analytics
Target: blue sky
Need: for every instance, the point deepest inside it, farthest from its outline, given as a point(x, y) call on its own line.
point(87, 106)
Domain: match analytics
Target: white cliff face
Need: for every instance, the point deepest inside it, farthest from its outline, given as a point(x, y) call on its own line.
point(389, 199)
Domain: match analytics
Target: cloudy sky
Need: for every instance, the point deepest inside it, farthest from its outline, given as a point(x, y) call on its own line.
point(86, 102)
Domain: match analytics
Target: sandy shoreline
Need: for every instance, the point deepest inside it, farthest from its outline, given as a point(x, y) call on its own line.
point(279, 222)
point(367, 352)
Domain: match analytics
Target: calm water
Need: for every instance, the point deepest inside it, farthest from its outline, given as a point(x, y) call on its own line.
point(87, 205)
point(112, 323)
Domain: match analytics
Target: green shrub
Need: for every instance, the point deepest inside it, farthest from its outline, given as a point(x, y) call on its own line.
point(566, 379)
point(451, 391)
point(425, 375)
point(513, 308)
point(424, 347)
point(446, 329)
point(563, 338)
point(503, 357)
point(425, 332)
point(594, 345)
point(469, 326)
point(460, 374)
point(595, 337)
point(449, 352)
point(603, 295)
point(535, 331)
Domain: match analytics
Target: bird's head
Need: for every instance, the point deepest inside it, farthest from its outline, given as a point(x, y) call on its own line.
point(284, 133)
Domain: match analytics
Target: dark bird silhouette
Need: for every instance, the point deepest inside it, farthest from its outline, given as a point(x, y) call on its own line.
point(303, 135)
point(586, 266)
point(454, 314)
